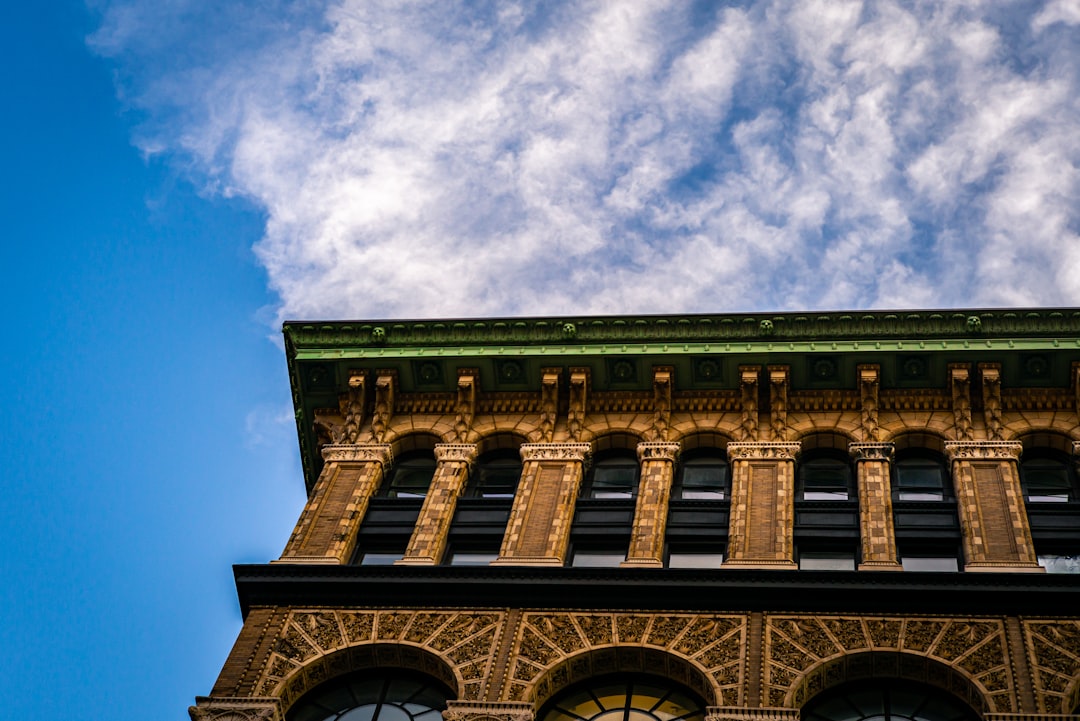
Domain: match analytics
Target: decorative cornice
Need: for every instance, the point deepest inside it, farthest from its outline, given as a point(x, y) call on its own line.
point(780, 327)
point(658, 451)
point(488, 711)
point(556, 452)
point(359, 453)
point(776, 451)
point(455, 453)
point(871, 451)
point(983, 450)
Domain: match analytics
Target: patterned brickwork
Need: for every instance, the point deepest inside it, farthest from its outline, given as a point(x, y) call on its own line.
point(876, 529)
point(328, 525)
point(428, 542)
point(539, 527)
point(762, 504)
point(650, 514)
point(992, 515)
point(1053, 648)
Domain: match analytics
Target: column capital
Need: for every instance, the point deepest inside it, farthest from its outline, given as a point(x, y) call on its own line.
point(773, 451)
point(488, 711)
point(247, 709)
point(359, 453)
point(871, 451)
point(983, 450)
point(455, 453)
point(556, 452)
point(742, 713)
point(658, 451)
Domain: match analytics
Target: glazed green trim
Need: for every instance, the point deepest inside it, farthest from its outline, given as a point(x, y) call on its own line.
point(756, 330)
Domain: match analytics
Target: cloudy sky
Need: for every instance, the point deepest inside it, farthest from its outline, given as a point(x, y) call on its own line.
point(181, 175)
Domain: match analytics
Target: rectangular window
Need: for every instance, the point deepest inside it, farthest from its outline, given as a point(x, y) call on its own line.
point(379, 559)
point(704, 482)
point(614, 482)
point(1060, 564)
point(597, 559)
point(826, 561)
point(471, 558)
point(930, 563)
point(919, 483)
point(689, 559)
point(824, 484)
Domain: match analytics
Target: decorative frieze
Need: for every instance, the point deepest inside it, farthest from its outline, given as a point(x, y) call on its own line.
point(742, 713)
point(235, 709)
point(657, 451)
point(456, 453)
point(380, 453)
point(760, 451)
point(983, 450)
point(556, 452)
point(488, 711)
point(871, 451)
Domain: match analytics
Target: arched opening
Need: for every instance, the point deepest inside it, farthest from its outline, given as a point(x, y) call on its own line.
point(623, 697)
point(483, 511)
point(383, 696)
point(826, 531)
point(1051, 488)
point(886, 700)
point(924, 505)
point(697, 523)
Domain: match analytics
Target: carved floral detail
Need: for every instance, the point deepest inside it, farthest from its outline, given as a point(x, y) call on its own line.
point(871, 451)
point(657, 451)
point(455, 453)
point(983, 450)
point(556, 452)
point(744, 451)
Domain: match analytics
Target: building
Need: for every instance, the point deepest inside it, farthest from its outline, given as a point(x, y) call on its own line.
point(665, 518)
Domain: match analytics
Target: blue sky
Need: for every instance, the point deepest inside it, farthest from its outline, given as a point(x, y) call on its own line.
point(181, 175)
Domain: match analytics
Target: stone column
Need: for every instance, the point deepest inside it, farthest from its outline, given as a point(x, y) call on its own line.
point(760, 534)
point(428, 542)
point(876, 529)
point(236, 709)
point(986, 476)
point(539, 528)
point(650, 515)
point(326, 531)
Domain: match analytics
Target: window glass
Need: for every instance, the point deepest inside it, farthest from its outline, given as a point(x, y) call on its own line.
point(1046, 480)
point(694, 559)
point(930, 563)
point(1060, 564)
point(826, 561)
point(496, 476)
point(614, 476)
point(625, 700)
point(597, 559)
point(381, 697)
point(825, 479)
point(470, 558)
point(920, 479)
point(411, 476)
point(702, 478)
point(886, 700)
point(379, 559)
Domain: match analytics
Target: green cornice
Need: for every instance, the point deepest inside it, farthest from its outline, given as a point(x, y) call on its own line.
point(754, 333)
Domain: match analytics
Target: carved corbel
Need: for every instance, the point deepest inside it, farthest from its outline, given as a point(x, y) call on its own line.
point(869, 385)
point(960, 385)
point(778, 401)
point(385, 386)
point(329, 429)
point(467, 382)
point(579, 388)
point(1076, 384)
point(549, 402)
point(662, 383)
point(352, 405)
point(991, 393)
point(748, 384)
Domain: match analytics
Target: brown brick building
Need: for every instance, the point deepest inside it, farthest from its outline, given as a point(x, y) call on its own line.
point(826, 516)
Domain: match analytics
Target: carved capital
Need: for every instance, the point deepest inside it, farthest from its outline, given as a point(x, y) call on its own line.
point(657, 451)
point(871, 451)
point(359, 453)
point(742, 713)
point(455, 453)
point(488, 711)
point(235, 709)
point(775, 451)
point(983, 450)
point(556, 452)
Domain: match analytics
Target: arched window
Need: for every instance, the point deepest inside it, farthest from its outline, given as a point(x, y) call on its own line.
point(385, 696)
point(1047, 476)
point(476, 532)
point(920, 475)
point(625, 699)
point(614, 474)
point(702, 475)
point(1051, 498)
point(886, 700)
point(825, 475)
point(496, 474)
point(411, 475)
point(826, 529)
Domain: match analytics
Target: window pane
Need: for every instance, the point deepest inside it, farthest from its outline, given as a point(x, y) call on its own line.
point(816, 561)
point(704, 481)
point(614, 481)
point(597, 559)
point(930, 563)
point(472, 559)
point(379, 559)
point(680, 559)
point(1060, 564)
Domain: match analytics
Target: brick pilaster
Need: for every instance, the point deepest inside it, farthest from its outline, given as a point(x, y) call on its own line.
point(762, 521)
point(876, 529)
point(428, 542)
point(539, 529)
point(326, 531)
point(650, 514)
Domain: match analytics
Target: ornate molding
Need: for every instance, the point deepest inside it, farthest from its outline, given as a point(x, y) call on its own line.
point(662, 384)
point(748, 385)
point(960, 385)
point(658, 451)
point(455, 453)
point(549, 402)
point(352, 406)
point(869, 387)
point(778, 401)
point(991, 393)
point(579, 391)
point(488, 711)
point(235, 709)
point(468, 380)
point(983, 450)
point(774, 451)
point(556, 452)
point(385, 385)
point(359, 453)
point(742, 713)
point(871, 451)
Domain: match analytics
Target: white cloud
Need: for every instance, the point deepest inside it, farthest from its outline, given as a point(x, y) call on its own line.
point(434, 159)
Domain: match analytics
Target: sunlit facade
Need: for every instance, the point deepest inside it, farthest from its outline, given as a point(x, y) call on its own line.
point(829, 517)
